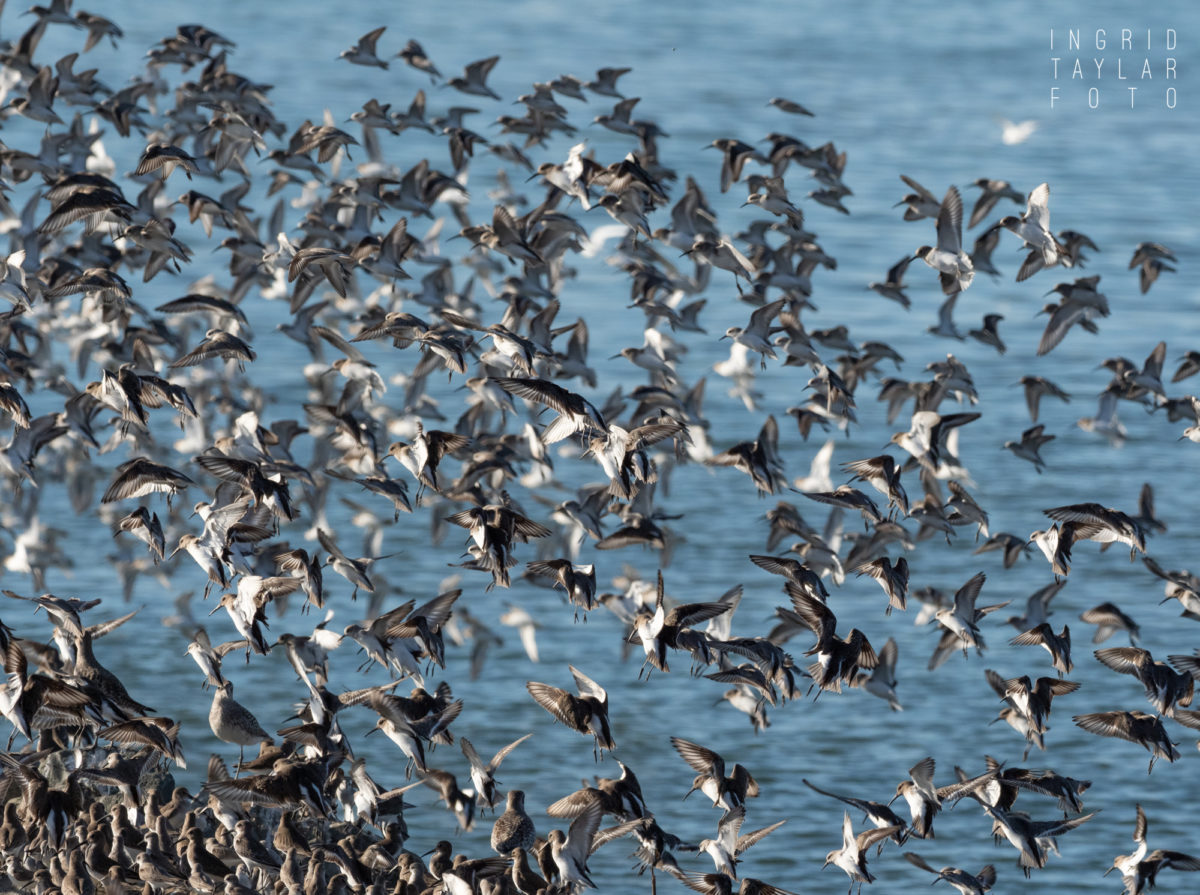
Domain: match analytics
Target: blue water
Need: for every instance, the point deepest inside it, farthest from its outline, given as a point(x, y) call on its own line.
point(909, 89)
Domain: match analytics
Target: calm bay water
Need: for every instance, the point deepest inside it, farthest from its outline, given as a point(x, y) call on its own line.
point(910, 90)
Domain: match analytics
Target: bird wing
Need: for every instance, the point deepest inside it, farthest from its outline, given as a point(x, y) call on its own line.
point(949, 222)
point(965, 596)
point(1125, 659)
point(1037, 212)
point(581, 833)
point(701, 759)
point(557, 702)
point(503, 753)
point(587, 686)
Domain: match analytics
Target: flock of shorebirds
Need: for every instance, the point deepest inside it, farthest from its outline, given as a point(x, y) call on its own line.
point(243, 492)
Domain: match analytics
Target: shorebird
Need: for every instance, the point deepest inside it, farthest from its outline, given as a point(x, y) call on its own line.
point(1109, 619)
point(790, 106)
point(1036, 388)
point(1137, 727)
point(1027, 835)
point(760, 459)
point(1165, 687)
point(1104, 524)
point(513, 828)
point(363, 52)
point(1034, 228)
point(880, 814)
point(852, 856)
point(991, 192)
point(1031, 442)
point(728, 792)
point(883, 475)
point(988, 332)
point(576, 413)
point(232, 722)
point(569, 851)
point(474, 77)
point(892, 578)
point(483, 776)
point(1140, 869)
point(892, 286)
point(920, 203)
point(730, 842)
point(881, 681)
point(953, 265)
point(413, 54)
point(586, 713)
point(794, 571)
point(923, 799)
point(1057, 645)
point(1151, 258)
point(1015, 132)
point(961, 618)
point(605, 82)
point(620, 797)
point(961, 880)
point(1030, 700)
point(757, 334)
point(838, 659)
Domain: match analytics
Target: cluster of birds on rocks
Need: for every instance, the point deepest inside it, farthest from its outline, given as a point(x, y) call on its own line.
point(442, 376)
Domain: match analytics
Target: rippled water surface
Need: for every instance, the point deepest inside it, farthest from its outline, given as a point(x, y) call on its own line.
point(913, 89)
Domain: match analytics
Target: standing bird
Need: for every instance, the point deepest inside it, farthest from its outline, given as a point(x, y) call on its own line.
point(232, 722)
point(513, 828)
